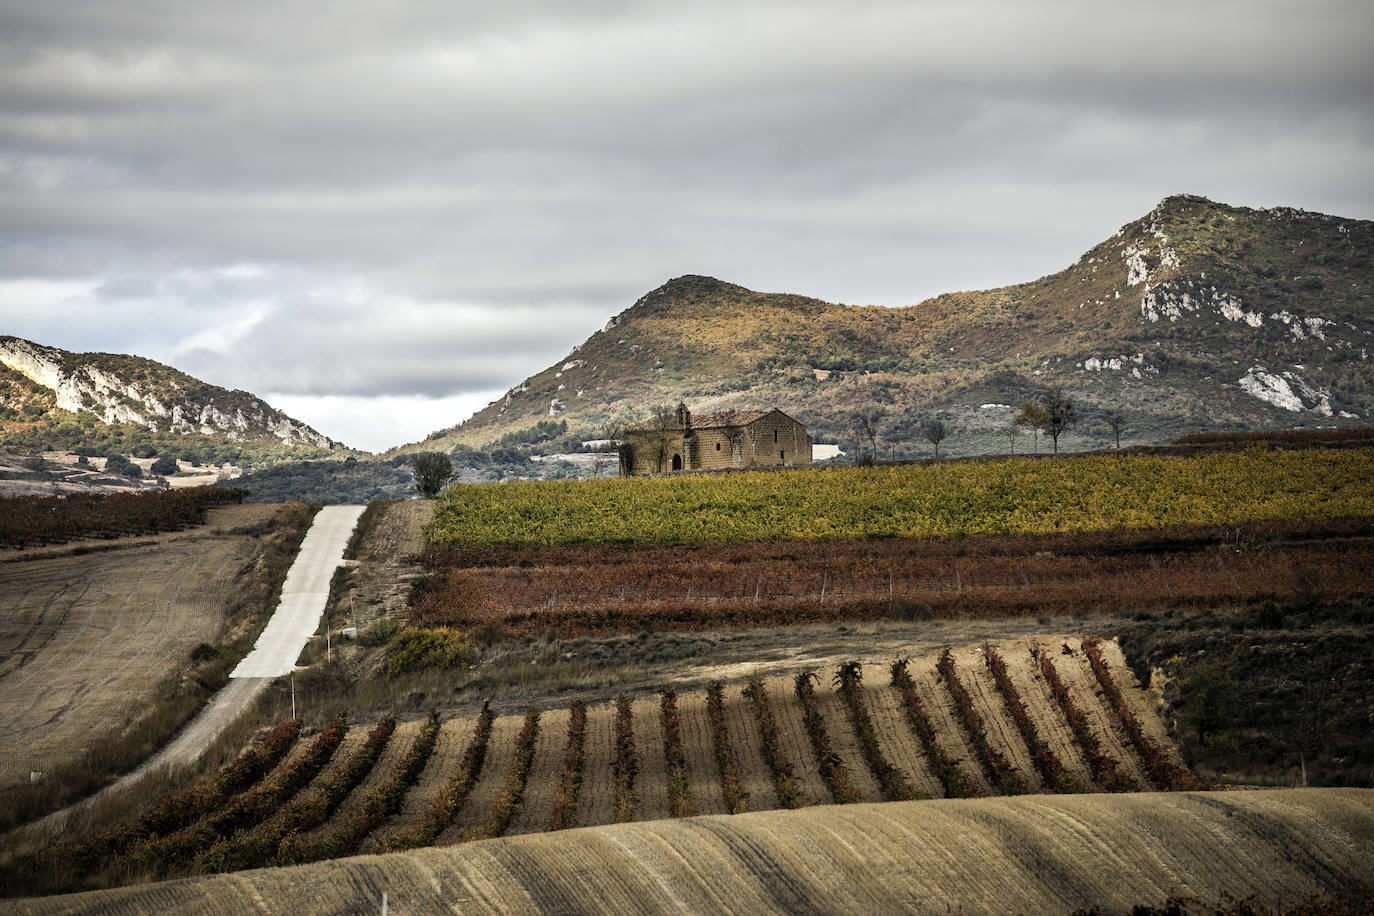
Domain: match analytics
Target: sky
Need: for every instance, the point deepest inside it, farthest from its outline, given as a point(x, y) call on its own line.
point(379, 217)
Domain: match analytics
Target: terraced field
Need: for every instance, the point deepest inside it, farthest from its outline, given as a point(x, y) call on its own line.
point(993, 725)
point(85, 636)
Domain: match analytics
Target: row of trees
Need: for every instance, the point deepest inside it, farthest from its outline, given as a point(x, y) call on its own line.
point(1052, 413)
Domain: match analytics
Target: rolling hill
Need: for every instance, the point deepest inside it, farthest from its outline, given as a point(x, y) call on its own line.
point(56, 399)
point(1034, 854)
point(1196, 316)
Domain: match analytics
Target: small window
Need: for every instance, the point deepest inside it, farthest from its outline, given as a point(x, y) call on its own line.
point(717, 446)
point(775, 437)
point(782, 454)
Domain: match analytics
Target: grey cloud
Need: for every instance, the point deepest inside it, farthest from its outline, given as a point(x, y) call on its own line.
point(545, 164)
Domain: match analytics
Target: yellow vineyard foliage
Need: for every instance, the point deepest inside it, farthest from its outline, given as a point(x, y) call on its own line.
point(1010, 496)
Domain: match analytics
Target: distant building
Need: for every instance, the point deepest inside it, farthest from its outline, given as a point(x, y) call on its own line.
point(731, 439)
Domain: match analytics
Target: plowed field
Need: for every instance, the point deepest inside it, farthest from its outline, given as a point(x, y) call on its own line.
point(86, 637)
point(1037, 854)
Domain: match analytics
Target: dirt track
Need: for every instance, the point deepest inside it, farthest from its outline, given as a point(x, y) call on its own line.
point(1040, 854)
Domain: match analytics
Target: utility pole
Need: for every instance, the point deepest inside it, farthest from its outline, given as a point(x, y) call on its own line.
point(293, 695)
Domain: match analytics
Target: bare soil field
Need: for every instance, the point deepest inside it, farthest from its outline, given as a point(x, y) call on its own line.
point(86, 637)
point(1042, 854)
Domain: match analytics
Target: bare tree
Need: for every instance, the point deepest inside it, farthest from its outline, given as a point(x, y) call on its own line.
point(1012, 430)
point(661, 426)
point(1060, 414)
point(1117, 421)
point(865, 422)
point(934, 433)
point(1033, 417)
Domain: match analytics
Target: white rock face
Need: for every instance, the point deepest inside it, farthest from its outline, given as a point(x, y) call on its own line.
point(114, 400)
point(1287, 390)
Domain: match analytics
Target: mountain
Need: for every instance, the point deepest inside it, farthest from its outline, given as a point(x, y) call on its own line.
point(1196, 316)
point(53, 398)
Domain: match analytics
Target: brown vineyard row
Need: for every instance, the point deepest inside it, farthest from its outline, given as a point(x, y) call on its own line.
point(269, 809)
point(1046, 761)
point(833, 770)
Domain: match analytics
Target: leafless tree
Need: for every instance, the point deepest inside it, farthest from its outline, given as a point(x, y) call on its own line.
point(1117, 421)
point(1034, 418)
point(934, 433)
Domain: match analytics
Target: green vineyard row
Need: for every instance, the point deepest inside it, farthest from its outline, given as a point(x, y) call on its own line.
point(1008, 496)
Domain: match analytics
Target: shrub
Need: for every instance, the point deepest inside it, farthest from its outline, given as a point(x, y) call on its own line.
point(417, 649)
point(164, 467)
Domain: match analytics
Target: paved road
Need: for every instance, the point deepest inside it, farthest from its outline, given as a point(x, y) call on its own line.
point(304, 595)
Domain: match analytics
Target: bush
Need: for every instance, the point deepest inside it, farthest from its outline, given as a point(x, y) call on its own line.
point(416, 649)
point(144, 451)
point(164, 467)
point(118, 464)
point(380, 632)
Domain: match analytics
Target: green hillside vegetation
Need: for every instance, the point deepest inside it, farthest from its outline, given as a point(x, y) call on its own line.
point(85, 433)
point(955, 357)
point(116, 392)
point(1009, 496)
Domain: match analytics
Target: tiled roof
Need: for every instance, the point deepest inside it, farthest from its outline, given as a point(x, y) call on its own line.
point(727, 418)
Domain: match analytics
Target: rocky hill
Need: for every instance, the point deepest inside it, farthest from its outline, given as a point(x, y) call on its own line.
point(1196, 316)
point(53, 398)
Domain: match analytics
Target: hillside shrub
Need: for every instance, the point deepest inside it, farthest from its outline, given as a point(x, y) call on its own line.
point(417, 649)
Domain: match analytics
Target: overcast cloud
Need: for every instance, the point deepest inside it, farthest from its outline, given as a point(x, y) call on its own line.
point(380, 216)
